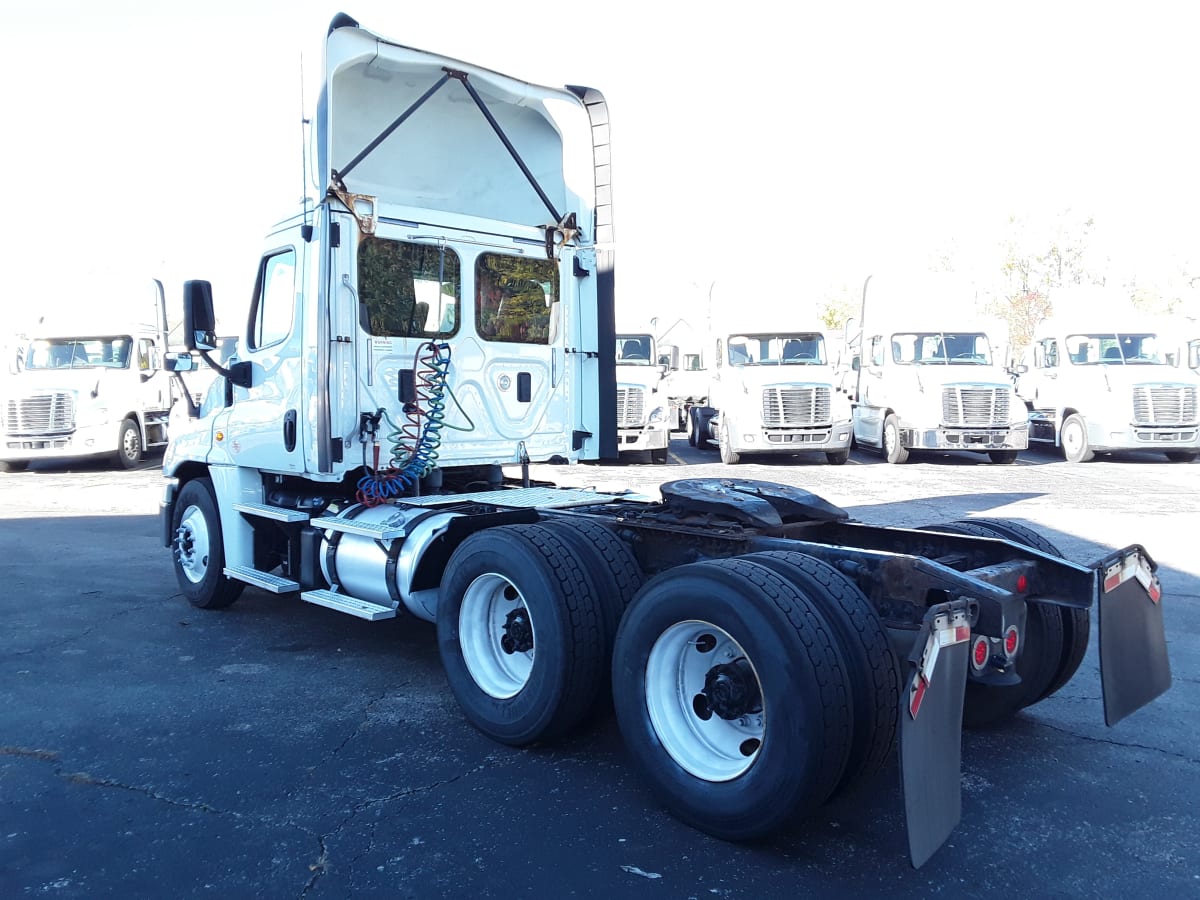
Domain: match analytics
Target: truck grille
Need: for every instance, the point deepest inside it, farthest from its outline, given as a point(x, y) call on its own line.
point(631, 407)
point(1164, 404)
point(789, 407)
point(975, 406)
point(38, 414)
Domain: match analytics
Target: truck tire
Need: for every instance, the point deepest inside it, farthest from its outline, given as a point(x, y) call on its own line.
point(1045, 654)
point(659, 457)
point(1074, 439)
point(731, 697)
point(1077, 623)
point(14, 465)
point(837, 457)
point(199, 550)
point(1002, 457)
point(729, 456)
point(611, 568)
point(129, 445)
point(521, 634)
point(873, 672)
point(694, 428)
point(893, 450)
point(1182, 456)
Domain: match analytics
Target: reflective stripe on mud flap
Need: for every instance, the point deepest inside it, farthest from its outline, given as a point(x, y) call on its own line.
point(931, 727)
point(1134, 668)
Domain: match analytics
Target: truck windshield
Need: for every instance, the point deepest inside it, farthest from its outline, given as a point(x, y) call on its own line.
point(1114, 349)
point(635, 349)
point(79, 353)
point(789, 349)
point(952, 348)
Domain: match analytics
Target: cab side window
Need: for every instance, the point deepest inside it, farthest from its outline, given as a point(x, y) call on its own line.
point(275, 300)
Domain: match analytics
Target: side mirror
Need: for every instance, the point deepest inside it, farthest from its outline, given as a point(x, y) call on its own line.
point(855, 363)
point(179, 362)
point(1020, 369)
point(199, 321)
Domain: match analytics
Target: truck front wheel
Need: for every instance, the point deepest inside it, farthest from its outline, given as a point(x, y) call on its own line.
point(129, 445)
point(1074, 439)
point(731, 696)
point(521, 633)
point(1182, 456)
point(729, 456)
point(893, 450)
point(14, 465)
point(837, 457)
point(198, 549)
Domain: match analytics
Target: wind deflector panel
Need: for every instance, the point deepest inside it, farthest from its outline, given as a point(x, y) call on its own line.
point(597, 109)
point(446, 156)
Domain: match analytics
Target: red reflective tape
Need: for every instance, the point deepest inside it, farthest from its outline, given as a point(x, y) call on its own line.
point(918, 694)
point(1155, 591)
point(1112, 582)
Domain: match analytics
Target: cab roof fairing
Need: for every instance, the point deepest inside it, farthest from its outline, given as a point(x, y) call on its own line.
point(445, 155)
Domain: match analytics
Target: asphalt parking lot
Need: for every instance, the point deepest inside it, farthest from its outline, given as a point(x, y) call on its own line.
point(278, 749)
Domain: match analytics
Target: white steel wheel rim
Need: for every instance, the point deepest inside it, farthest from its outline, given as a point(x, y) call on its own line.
point(129, 443)
point(192, 541)
point(715, 749)
point(890, 439)
point(1072, 437)
point(482, 625)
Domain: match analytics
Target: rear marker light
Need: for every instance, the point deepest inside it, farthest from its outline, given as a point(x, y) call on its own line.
point(1011, 641)
point(979, 652)
point(1022, 584)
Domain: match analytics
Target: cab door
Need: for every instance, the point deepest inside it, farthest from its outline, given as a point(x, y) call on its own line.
point(262, 428)
point(872, 393)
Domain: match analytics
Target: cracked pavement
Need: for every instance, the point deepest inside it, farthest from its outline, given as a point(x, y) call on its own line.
point(278, 749)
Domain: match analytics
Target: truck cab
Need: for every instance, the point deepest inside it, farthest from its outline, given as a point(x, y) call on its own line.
point(772, 392)
point(930, 375)
point(1101, 381)
point(88, 389)
point(644, 415)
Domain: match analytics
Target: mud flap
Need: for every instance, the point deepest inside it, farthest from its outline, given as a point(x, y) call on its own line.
point(1134, 668)
point(931, 728)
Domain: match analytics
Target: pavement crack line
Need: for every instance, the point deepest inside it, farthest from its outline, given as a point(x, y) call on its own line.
point(319, 867)
point(1097, 740)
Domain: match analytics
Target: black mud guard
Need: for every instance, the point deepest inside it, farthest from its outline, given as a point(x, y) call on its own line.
point(1134, 668)
point(757, 503)
point(931, 727)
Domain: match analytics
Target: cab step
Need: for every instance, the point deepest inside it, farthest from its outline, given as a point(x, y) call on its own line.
point(276, 584)
point(372, 612)
point(276, 513)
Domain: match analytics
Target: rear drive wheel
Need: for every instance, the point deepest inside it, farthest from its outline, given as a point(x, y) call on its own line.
point(893, 451)
point(693, 428)
point(129, 445)
point(837, 457)
point(198, 548)
point(873, 672)
point(1052, 645)
point(520, 632)
point(731, 697)
point(1003, 457)
point(1074, 439)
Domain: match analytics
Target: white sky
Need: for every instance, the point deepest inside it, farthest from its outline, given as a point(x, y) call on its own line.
point(821, 143)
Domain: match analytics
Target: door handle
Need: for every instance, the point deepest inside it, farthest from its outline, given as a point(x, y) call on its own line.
point(289, 430)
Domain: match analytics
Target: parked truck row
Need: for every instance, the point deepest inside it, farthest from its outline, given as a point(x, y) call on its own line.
point(443, 316)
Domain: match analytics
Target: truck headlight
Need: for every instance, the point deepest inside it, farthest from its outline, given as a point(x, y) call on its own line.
point(657, 414)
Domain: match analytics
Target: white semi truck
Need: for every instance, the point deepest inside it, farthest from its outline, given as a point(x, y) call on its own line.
point(772, 391)
point(1101, 380)
point(644, 415)
point(90, 389)
point(931, 374)
point(441, 318)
